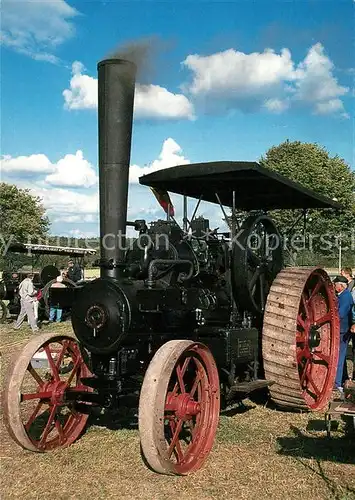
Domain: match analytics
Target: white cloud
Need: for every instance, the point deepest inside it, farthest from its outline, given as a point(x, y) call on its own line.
point(325, 107)
point(77, 234)
point(33, 164)
point(35, 28)
point(316, 84)
point(64, 202)
point(151, 101)
point(276, 105)
point(83, 89)
point(71, 171)
point(265, 80)
point(237, 72)
point(76, 218)
point(170, 156)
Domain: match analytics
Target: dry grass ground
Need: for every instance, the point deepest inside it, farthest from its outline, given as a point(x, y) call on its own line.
point(259, 453)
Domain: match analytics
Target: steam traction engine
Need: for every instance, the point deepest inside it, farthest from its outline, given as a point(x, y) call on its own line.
point(188, 318)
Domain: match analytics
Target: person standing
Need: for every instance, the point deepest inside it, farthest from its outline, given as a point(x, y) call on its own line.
point(55, 310)
point(27, 293)
point(347, 272)
point(36, 299)
point(345, 308)
point(74, 271)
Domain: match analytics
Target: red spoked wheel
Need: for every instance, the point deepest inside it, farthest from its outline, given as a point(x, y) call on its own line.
point(179, 407)
point(41, 393)
point(301, 338)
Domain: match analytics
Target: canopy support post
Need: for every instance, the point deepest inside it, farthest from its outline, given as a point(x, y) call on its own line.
point(224, 212)
point(185, 219)
point(194, 213)
point(234, 312)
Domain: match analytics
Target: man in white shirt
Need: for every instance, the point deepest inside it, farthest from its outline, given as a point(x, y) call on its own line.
point(27, 294)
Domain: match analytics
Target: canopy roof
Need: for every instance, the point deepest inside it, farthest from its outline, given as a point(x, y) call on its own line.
point(256, 188)
point(49, 250)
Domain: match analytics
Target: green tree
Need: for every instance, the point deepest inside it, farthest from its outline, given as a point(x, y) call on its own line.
point(22, 216)
point(311, 166)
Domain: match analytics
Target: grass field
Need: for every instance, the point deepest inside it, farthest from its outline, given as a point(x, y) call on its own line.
point(259, 453)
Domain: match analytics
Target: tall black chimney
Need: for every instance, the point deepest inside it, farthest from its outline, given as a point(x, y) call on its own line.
point(116, 85)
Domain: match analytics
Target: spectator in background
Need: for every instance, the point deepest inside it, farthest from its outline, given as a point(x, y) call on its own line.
point(55, 310)
point(347, 272)
point(74, 271)
point(345, 307)
point(27, 293)
point(36, 300)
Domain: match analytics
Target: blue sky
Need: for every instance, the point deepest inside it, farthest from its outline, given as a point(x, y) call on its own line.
point(228, 80)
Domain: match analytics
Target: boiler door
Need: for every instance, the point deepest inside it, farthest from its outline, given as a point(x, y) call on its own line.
point(101, 316)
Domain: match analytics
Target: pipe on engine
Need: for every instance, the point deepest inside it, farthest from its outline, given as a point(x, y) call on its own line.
point(116, 86)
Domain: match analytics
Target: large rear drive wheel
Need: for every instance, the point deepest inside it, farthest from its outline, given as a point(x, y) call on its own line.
point(179, 408)
point(300, 338)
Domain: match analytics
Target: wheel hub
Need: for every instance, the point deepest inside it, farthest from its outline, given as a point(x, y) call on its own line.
point(57, 388)
point(183, 406)
point(314, 337)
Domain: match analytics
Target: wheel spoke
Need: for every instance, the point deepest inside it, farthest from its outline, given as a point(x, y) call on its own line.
point(323, 320)
point(262, 291)
point(305, 304)
point(316, 290)
point(195, 384)
point(36, 395)
point(322, 356)
point(303, 354)
point(54, 369)
point(304, 372)
point(61, 354)
point(33, 416)
point(255, 259)
point(180, 372)
point(60, 431)
point(311, 381)
point(175, 431)
point(301, 322)
point(74, 371)
point(254, 279)
point(35, 375)
point(48, 426)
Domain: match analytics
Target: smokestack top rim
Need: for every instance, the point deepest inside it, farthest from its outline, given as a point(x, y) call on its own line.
point(116, 61)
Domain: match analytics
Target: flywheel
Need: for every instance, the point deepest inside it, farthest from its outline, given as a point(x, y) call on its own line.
point(257, 257)
point(300, 338)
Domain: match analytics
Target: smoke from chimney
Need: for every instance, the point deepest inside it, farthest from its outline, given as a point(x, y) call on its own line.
point(145, 54)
